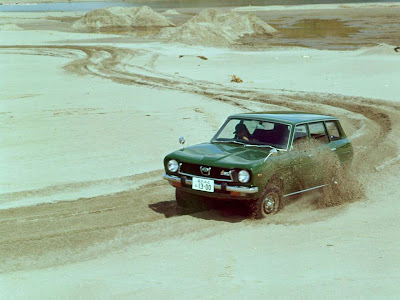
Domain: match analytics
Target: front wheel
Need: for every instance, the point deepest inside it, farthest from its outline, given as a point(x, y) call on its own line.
point(269, 202)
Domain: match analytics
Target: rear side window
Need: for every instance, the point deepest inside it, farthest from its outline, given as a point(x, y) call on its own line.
point(333, 130)
point(300, 133)
point(317, 132)
point(300, 136)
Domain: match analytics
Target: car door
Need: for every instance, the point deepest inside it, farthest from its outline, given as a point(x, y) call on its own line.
point(320, 153)
point(302, 159)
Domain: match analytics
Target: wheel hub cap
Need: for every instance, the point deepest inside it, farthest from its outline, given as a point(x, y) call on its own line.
point(269, 205)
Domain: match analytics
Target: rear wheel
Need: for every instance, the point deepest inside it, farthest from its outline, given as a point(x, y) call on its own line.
point(269, 203)
point(340, 187)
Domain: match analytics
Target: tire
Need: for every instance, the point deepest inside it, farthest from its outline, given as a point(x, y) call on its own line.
point(338, 179)
point(337, 189)
point(269, 203)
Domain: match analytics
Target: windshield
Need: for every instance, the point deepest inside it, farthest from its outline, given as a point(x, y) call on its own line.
point(254, 132)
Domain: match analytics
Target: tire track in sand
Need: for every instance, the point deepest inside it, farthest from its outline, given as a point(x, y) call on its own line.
point(65, 232)
point(119, 65)
point(114, 64)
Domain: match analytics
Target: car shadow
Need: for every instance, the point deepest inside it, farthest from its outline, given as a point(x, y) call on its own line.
point(167, 208)
point(224, 211)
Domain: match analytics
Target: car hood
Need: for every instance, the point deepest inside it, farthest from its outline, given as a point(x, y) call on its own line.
point(222, 155)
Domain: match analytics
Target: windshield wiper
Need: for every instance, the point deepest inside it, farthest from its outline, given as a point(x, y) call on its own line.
point(262, 146)
point(230, 141)
point(248, 145)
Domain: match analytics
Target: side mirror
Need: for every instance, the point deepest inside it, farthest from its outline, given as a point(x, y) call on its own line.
point(273, 152)
point(181, 141)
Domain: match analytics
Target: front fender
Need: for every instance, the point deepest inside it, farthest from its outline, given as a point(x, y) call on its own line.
point(266, 172)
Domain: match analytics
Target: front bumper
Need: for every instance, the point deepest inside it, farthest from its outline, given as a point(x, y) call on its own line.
point(237, 189)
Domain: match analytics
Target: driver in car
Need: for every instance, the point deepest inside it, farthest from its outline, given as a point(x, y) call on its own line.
point(241, 132)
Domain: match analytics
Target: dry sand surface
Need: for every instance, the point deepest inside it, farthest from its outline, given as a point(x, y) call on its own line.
point(86, 119)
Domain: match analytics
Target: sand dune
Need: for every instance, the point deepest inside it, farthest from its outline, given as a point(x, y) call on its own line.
point(381, 49)
point(215, 28)
point(10, 27)
point(122, 17)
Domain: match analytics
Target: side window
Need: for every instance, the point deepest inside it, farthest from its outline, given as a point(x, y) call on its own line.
point(333, 130)
point(318, 133)
point(300, 135)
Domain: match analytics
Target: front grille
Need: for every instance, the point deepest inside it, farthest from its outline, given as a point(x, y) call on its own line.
point(215, 173)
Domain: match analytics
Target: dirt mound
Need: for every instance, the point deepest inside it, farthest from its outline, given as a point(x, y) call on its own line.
point(122, 17)
point(215, 28)
point(381, 49)
point(171, 12)
point(10, 27)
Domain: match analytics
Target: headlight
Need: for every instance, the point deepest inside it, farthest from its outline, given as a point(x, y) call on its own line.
point(172, 165)
point(244, 176)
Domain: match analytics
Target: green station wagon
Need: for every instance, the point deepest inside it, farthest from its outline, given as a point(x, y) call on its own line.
point(258, 158)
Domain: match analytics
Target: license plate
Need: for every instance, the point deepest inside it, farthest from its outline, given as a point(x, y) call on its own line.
point(205, 185)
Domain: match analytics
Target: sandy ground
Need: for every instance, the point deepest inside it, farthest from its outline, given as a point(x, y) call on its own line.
point(86, 121)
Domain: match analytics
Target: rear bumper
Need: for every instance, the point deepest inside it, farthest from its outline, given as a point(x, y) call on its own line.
point(227, 188)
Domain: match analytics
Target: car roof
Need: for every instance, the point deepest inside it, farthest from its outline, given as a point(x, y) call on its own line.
point(289, 117)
